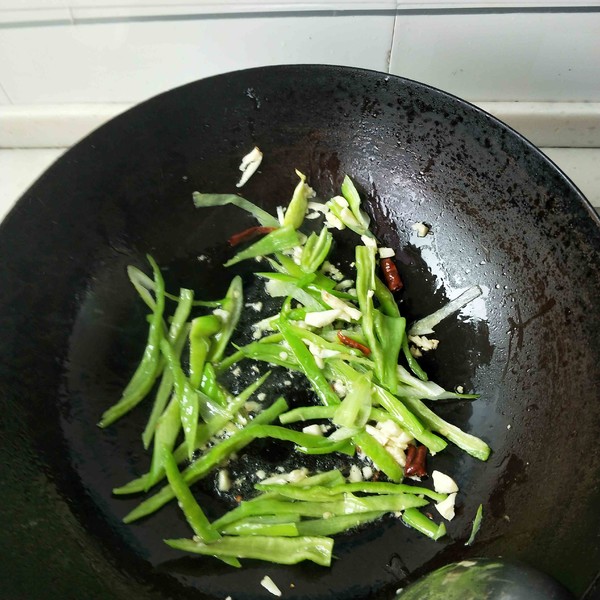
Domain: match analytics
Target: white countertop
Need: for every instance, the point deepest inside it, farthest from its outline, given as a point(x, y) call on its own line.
point(19, 168)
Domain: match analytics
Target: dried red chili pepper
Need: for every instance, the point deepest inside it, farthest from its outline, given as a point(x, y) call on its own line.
point(353, 343)
point(390, 273)
point(416, 461)
point(249, 234)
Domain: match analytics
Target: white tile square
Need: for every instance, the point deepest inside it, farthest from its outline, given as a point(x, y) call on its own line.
point(127, 62)
point(502, 56)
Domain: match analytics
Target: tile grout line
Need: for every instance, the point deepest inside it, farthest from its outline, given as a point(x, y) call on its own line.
point(390, 53)
point(3, 90)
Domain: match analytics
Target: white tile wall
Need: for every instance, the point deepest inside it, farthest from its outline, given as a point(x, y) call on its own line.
point(125, 62)
point(16, 17)
point(4, 99)
point(510, 56)
point(228, 6)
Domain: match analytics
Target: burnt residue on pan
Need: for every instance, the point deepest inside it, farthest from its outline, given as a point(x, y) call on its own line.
point(500, 215)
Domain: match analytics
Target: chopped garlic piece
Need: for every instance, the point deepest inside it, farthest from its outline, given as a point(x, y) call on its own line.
point(280, 214)
point(344, 285)
point(367, 472)
point(332, 270)
point(421, 229)
point(291, 477)
point(312, 215)
point(390, 428)
point(270, 586)
point(355, 474)
point(322, 318)
point(263, 325)
point(386, 253)
point(443, 484)
point(249, 164)
point(313, 430)
point(368, 241)
point(339, 388)
point(377, 434)
point(252, 406)
point(257, 306)
point(424, 343)
point(335, 302)
point(397, 453)
point(224, 482)
point(446, 507)
point(260, 474)
point(297, 475)
point(318, 207)
point(415, 352)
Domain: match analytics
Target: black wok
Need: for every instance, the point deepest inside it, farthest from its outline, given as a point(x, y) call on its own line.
point(502, 216)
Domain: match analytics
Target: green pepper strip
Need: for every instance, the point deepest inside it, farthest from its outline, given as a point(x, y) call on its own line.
point(148, 369)
point(315, 250)
point(337, 524)
point(210, 386)
point(412, 362)
point(271, 529)
point(167, 430)
point(205, 464)
point(191, 509)
point(355, 408)
point(207, 430)
point(269, 353)
point(382, 459)
point(321, 342)
point(204, 432)
point(281, 239)
point(308, 365)
point(389, 331)
point(320, 493)
point(287, 265)
point(387, 303)
point(476, 525)
point(233, 304)
point(350, 192)
point(301, 282)
point(396, 409)
point(338, 505)
point(163, 393)
point(417, 520)
point(469, 443)
point(265, 520)
point(202, 329)
point(294, 215)
point(307, 443)
point(365, 273)
point(327, 479)
point(208, 200)
point(282, 550)
point(144, 285)
point(186, 396)
point(342, 446)
point(311, 413)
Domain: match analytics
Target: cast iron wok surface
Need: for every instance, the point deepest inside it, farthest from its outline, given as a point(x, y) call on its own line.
point(501, 215)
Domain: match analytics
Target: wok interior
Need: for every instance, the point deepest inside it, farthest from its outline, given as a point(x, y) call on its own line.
point(501, 217)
